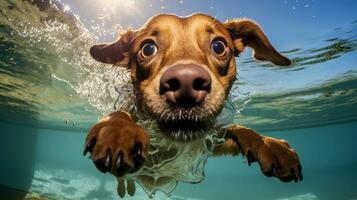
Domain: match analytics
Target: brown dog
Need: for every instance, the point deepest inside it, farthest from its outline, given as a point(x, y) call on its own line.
point(182, 70)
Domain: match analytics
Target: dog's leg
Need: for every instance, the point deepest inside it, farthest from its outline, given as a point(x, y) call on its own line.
point(117, 145)
point(275, 156)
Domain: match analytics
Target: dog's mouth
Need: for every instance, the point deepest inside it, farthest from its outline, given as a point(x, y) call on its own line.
point(185, 125)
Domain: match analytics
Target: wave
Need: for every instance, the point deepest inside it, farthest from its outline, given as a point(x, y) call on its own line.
point(47, 75)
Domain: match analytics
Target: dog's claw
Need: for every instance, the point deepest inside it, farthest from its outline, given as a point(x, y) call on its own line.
point(299, 168)
point(250, 157)
point(137, 149)
point(300, 172)
point(138, 156)
point(103, 164)
point(89, 147)
point(119, 159)
point(270, 172)
point(286, 178)
point(121, 167)
point(100, 165)
point(108, 159)
point(294, 175)
point(301, 176)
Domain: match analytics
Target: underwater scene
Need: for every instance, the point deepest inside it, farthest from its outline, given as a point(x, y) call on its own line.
point(52, 92)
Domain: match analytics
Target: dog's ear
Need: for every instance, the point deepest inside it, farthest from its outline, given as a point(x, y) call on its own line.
point(247, 33)
point(116, 53)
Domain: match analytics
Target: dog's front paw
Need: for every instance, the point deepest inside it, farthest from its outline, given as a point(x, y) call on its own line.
point(119, 147)
point(277, 158)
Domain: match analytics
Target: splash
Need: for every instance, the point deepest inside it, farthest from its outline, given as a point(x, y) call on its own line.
point(100, 86)
point(58, 70)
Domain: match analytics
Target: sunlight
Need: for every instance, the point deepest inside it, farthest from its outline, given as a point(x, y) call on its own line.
point(307, 196)
point(117, 8)
point(66, 8)
point(115, 5)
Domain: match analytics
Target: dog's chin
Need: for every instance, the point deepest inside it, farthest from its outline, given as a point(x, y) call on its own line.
point(185, 130)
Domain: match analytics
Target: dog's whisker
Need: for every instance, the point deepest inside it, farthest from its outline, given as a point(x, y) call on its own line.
point(162, 115)
point(191, 136)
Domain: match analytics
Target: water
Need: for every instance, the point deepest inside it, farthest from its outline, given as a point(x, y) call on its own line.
point(51, 92)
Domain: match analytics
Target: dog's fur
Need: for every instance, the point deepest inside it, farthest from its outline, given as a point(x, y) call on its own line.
point(120, 146)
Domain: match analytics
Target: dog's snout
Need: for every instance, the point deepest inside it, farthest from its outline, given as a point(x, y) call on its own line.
point(185, 85)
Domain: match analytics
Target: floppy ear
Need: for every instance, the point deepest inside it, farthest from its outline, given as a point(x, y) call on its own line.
point(247, 33)
point(116, 53)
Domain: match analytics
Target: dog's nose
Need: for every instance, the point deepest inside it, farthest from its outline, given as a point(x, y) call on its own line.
point(185, 85)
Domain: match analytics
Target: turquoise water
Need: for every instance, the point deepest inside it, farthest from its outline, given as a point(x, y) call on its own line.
point(51, 92)
point(49, 162)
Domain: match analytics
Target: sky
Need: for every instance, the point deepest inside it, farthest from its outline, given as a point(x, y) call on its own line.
point(282, 20)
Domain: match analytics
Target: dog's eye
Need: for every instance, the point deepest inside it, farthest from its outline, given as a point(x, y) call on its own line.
point(149, 49)
point(218, 47)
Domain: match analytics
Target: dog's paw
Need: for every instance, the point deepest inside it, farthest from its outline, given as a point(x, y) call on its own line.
point(277, 158)
point(119, 147)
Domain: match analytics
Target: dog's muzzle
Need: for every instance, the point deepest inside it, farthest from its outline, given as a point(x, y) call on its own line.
point(185, 85)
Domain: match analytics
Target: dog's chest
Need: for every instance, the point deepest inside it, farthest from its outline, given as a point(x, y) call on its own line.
point(169, 163)
point(183, 162)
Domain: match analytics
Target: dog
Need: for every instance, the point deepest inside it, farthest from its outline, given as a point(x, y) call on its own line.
point(182, 70)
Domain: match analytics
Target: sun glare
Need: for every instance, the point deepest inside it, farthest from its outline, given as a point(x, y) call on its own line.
point(119, 5)
point(66, 8)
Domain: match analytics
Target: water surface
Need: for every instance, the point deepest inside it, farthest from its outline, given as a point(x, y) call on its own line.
point(51, 92)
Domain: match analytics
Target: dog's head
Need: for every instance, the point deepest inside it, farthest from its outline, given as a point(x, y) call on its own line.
point(182, 69)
